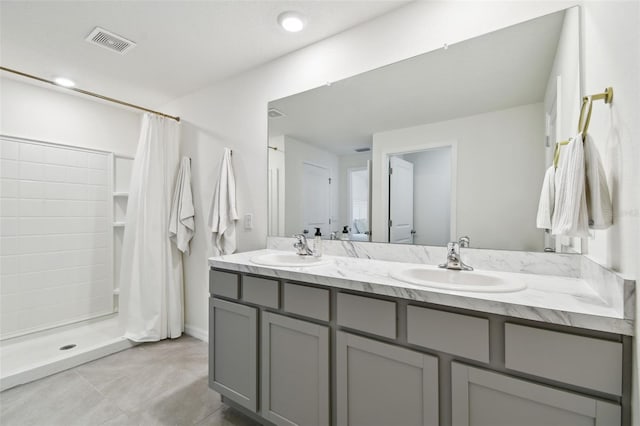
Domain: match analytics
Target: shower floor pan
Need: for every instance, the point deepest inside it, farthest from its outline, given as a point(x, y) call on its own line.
point(27, 358)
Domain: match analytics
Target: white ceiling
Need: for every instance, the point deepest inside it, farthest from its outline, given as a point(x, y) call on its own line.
point(500, 70)
point(182, 46)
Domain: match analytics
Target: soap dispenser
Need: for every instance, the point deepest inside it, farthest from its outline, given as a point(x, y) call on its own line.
point(317, 243)
point(345, 233)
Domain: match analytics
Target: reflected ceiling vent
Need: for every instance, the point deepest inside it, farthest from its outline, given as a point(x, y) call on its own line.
point(108, 40)
point(274, 113)
point(365, 149)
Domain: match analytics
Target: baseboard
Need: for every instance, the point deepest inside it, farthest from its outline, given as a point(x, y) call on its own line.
point(197, 332)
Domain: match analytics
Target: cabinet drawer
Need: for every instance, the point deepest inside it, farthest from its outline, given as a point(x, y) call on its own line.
point(456, 334)
point(370, 315)
point(260, 291)
point(308, 301)
point(577, 360)
point(223, 284)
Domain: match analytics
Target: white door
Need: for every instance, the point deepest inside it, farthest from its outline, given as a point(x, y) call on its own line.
point(316, 198)
point(400, 201)
point(276, 193)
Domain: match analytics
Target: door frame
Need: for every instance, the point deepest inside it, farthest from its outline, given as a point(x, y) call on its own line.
point(384, 176)
point(330, 201)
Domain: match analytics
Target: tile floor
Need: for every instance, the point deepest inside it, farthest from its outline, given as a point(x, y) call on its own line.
point(163, 383)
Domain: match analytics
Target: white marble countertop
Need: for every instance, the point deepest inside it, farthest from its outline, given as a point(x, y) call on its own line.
point(552, 299)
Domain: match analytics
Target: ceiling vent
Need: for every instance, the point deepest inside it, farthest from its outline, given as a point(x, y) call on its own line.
point(108, 40)
point(365, 149)
point(274, 113)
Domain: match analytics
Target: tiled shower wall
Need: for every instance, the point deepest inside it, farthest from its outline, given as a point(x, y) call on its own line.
point(55, 236)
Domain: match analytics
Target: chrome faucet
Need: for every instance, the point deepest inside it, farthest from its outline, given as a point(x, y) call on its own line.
point(302, 246)
point(453, 256)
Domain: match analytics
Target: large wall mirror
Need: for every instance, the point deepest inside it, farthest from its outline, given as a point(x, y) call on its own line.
point(449, 143)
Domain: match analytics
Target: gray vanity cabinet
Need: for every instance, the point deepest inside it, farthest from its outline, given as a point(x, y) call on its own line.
point(233, 348)
point(382, 384)
point(295, 371)
point(294, 353)
point(485, 398)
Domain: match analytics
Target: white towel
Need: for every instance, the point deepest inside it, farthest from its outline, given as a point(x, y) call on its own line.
point(598, 198)
point(223, 214)
point(547, 199)
point(570, 211)
point(181, 222)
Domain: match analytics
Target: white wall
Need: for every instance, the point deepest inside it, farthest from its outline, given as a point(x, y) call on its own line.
point(431, 196)
point(611, 46)
point(497, 183)
point(296, 154)
point(46, 113)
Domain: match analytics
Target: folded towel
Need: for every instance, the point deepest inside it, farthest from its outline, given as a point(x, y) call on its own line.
point(570, 210)
point(223, 213)
point(598, 198)
point(547, 199)
point(181, 222)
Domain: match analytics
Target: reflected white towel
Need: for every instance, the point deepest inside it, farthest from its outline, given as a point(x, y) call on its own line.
point(597, 190)
point(223, 214)
point(547, 199)
point(570, 210)
point(181, 222)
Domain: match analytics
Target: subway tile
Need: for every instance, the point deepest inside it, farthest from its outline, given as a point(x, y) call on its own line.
point(96, 193)
point(77, 175)
point(77, 158)
point(9, 264)
point(33, 153)
point(9, 169)
point(10, 246)
point(68, 174)
point(9, 207)
point(54, 173)
point(97, 208)
point(97, 177)
point(8, 226)
point(32, 208)
point(9, 188)
point(97, 161)
point(10, 284)
point(31, 171)
point(66, 157)
point(31, 189)
point(65, 191)
point(9, 150)
point(9, 323)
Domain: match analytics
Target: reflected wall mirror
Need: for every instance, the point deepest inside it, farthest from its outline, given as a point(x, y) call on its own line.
point(449, 143)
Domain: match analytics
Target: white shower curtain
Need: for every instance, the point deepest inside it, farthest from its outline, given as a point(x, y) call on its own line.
point(151, 305)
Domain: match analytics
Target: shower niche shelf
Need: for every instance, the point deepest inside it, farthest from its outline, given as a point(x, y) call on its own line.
point(122, 166)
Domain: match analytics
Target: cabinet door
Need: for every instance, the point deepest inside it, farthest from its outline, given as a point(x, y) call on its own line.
point(295, 371)
point(233, 351)
point(382, 384)
point(481, 397)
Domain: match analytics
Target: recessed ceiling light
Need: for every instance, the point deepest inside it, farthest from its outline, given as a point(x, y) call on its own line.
point(64, 82)
point(291, 21)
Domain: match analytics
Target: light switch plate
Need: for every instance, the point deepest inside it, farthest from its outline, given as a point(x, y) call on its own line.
point(248, 221)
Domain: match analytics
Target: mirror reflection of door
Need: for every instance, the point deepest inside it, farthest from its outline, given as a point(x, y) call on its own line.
point(316, 198)
point(359, 203)
point(400, 201)
point(429, 193)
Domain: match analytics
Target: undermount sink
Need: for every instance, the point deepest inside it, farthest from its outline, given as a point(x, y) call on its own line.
point(288, 259)
point(459, 280)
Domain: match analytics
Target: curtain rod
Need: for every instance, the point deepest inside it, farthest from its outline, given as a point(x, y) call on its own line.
point(95, 95)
